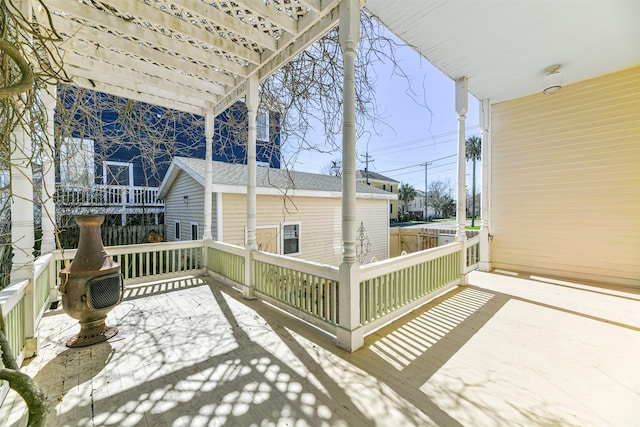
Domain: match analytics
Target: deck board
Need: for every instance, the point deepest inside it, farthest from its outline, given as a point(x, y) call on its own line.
point(501, 351)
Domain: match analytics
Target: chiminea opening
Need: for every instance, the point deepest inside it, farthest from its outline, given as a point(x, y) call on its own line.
point(91, 285)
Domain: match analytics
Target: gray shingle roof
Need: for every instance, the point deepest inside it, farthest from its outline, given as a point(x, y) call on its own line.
point(360, 174)
point(235, 174)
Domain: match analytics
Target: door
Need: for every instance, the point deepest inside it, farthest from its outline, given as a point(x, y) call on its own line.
point(267, 239)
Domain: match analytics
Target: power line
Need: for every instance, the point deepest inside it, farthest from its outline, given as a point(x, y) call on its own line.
point(418, 164)
point(423, 139)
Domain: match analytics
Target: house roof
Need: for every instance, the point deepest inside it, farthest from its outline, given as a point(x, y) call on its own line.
point(361, 174)
point(503, 47)
point(232, 178)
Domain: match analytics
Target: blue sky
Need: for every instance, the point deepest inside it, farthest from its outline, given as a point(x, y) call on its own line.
point(416, 131)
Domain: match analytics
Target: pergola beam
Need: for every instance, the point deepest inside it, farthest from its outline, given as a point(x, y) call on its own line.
point(136, 95)
point(134, 63)
point(114, 46)
point(281, 20)
point(109, 73)
point(243, 30)
point(196, 33)
point(139, 32)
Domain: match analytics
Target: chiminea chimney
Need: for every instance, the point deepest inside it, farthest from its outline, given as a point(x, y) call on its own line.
point(91, 285)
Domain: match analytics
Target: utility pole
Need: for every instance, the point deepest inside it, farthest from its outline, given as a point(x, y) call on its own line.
point(426, 190)
point(366, 165)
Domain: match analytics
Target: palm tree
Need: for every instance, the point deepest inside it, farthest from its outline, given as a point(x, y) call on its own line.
point(473, 149)
point(406, 194)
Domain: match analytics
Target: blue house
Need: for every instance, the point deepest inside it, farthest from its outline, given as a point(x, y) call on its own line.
point(112, 153)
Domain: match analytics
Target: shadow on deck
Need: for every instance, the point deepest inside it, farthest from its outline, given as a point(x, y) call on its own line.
point(502, 351)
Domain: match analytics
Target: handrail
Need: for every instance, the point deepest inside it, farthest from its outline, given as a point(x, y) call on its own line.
point(375, 269)
point(227, 247)
point(310, 267)
point(69, 254)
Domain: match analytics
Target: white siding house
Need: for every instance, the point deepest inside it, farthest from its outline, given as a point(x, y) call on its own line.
point(298, 214)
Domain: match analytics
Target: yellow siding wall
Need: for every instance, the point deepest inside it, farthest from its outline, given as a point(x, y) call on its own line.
point(393, 215)
point(566, 181)
point(320, 223)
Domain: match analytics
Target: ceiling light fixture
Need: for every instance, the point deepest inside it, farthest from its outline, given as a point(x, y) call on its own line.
point(552, 79)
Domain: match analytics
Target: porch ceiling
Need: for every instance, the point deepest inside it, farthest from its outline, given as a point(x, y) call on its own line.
point(503, 47)
point(188, 55)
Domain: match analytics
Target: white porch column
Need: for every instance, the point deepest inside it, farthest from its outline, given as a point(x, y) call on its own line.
point(22, 236)
point(349, 332)
point(48, 243)
point(462, 95)
point(21, 153)
point(252, 245)
point(485, 230)
point(208, 175)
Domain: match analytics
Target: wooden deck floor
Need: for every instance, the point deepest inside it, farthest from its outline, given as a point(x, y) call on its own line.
point(502, 351)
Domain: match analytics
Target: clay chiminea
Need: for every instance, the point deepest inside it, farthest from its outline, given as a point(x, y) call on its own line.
point(91, 285)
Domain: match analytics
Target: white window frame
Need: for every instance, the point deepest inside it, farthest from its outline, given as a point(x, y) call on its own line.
point(197, 230)
point(77, 162)
point(259, 227)
point(177, 230)
point(108, 163)
point(282, 238)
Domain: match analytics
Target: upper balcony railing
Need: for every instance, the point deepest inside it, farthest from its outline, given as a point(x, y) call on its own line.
point(100, 195)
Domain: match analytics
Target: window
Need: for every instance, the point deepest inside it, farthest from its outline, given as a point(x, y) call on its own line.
point(177, 230)
point(4, 178)
point(262, 126)
point(291, 239)
point(391, 208)
point(384, 187)
point(194, 231)
point(77, 167)
point(391, 188)
point(117, 173)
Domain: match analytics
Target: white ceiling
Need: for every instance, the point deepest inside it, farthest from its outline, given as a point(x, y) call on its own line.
point(503, 46)
point(190, 55)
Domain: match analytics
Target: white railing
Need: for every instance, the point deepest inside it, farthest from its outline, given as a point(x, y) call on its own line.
point(310, 289)
point(390, 288)
point(148, 261)
point(23, 304)
point(472, 247)
point(387, 289)
point(226, 260)
point(107, 195)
